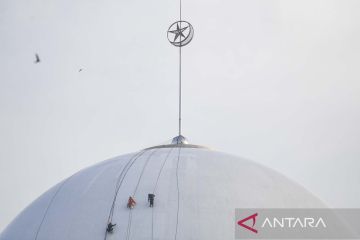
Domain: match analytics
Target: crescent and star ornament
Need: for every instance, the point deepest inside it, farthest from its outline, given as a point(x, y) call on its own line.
point(180, 33)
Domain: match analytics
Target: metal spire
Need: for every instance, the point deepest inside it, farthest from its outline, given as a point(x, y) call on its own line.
point(180, 36)
point(180, 18)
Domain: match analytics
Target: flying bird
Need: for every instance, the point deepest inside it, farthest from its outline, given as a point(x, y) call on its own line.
point(80, 69)
point(37, 58)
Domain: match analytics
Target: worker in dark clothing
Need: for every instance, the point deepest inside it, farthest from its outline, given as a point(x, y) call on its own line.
point(151, 198)
point(110, 227)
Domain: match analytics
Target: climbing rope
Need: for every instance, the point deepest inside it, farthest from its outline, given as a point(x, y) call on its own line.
point(121, 178)
point(178, 195)
point(162, 166)
point(154, 191)
point(48, 207)
point(129, 225)
point(119, 182)
point(142, 171)
point(50, 203)
point(128, 230)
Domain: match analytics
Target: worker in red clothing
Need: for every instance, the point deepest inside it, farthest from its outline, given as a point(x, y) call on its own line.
point(131, 203)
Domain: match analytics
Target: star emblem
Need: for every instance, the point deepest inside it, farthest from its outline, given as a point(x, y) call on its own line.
point(178, 32)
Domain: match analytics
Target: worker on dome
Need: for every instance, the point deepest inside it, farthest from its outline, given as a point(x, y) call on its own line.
point(151, 198)
point(131, 203)
point(110, 227)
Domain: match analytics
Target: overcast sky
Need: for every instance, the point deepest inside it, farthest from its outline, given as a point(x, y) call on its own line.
point(276, 82)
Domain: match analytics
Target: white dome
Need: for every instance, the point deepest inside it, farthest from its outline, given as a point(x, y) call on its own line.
point(196, 191)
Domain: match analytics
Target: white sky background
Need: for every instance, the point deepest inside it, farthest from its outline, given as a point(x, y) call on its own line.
point(277, 82)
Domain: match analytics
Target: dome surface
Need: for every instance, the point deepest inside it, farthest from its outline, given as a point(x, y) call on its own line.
point(196, 192)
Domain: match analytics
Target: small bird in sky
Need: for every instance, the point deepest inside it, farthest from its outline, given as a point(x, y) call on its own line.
point(80, 69)
point(37, 58)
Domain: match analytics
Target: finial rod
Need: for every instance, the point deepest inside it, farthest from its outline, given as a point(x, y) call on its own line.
point(179, 36)
point(180, 71)
point(180, 88)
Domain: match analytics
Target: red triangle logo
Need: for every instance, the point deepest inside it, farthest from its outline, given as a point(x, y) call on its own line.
point(242, 222)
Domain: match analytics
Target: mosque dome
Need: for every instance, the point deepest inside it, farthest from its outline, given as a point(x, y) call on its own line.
point(196, 192)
